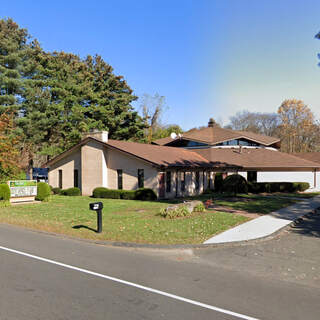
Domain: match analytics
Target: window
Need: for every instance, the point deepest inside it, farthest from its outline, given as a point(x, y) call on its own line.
point(120, 181)
point(60, 179)
point(183, 181)
point(197, 180)
point(140, 178)
point(252, 176)
point(168, 181)
point(75, 178)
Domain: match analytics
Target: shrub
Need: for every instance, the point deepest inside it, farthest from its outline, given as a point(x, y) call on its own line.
point(301, 186)
point(270, 187)
point(4, 195)
point(207, 191)
point(128, 194)
point(72, 192)
point(140, 194)
point(218, 182)
point(43, 192)
point(102, 192)
point(145, 194)
point(235, 184)
point(199, 208)
point(56, 190)
point(175, 212)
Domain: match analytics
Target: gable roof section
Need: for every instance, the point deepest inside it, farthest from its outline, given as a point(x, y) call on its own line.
point(159, 156)
point(257, 159)
point(311, 156)
point(215, 135)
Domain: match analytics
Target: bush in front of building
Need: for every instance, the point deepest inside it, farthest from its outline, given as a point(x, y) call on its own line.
point(235, 183)
point(43, 192)
point(140, 194)
point(271, 187)
point(106, 193)
point(5, 195)
point(128, 194)
point(71, 192)
point(56, 190)
point(145, 194)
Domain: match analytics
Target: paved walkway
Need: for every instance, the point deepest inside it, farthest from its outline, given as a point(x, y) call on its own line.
point(266, 225)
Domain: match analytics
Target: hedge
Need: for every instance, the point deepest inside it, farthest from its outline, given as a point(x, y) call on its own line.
point(270, 187)
point(145, 194)
point(140, 194)
point(56, 190)
point(4, 195)
point(43, 192)
point(235, 183)
point(71, 192)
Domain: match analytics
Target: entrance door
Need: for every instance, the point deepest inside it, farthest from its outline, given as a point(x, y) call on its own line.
point(161, 185)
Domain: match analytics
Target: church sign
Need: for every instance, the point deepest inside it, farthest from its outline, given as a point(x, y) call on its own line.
point(23, 190)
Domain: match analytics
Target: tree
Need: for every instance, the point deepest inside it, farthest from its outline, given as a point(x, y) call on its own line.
point(298, 128)
point(262, 123)
point(152, 108)
point(165, 131)
point(9, 154)
point(15, 67)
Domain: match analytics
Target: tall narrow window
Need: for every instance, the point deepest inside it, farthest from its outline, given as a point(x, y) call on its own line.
point(168, 181)
point(60, 179)
point(120, 181)
point(183, 181)
point(197, 180)
point(75, 178)
point(140, 178)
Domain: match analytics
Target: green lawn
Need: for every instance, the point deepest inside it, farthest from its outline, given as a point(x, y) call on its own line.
point(123, 220)
point(247, 202)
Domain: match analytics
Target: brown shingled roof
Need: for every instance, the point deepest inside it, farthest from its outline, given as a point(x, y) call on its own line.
point(159, 156)
point(311, 156)
point(214, 135)
point(257, 158)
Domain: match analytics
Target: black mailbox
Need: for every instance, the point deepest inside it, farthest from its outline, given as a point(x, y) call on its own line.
point(97, 206)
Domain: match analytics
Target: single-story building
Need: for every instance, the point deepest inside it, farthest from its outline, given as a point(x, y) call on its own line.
point(178, 165)
point(101, 162)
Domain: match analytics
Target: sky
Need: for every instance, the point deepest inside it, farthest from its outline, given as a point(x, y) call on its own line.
point(208, 58)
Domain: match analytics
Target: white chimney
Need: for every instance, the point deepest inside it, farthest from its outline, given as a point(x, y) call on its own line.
point(99, 135)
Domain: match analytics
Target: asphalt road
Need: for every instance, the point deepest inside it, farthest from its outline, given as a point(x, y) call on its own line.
point(249, 280)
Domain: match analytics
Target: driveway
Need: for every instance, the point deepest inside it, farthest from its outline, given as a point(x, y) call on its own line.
point(293, 255)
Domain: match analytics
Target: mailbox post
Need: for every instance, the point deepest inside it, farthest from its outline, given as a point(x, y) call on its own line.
point(97, 206)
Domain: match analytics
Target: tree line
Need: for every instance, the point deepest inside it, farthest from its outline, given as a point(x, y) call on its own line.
point(53, 98)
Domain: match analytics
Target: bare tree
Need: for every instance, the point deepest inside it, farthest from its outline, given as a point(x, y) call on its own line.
point(263, 123)
point(152, 108)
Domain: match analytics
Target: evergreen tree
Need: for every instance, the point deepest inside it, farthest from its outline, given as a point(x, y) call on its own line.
point(15, 66)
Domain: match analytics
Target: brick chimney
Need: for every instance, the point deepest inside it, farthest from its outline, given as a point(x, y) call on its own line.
point(211, 123)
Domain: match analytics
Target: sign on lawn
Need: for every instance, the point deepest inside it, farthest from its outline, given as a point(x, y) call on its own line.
point(23, 188)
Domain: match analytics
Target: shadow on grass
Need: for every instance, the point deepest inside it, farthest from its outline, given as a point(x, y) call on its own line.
point(81, 226)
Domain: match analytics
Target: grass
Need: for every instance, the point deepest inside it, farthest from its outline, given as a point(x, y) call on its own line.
point(252, 203)
point(123, 220)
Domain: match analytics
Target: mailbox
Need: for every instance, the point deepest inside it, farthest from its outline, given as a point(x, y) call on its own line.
point(97, 206)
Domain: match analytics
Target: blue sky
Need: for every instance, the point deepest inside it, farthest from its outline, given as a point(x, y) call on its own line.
point(208, 58)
